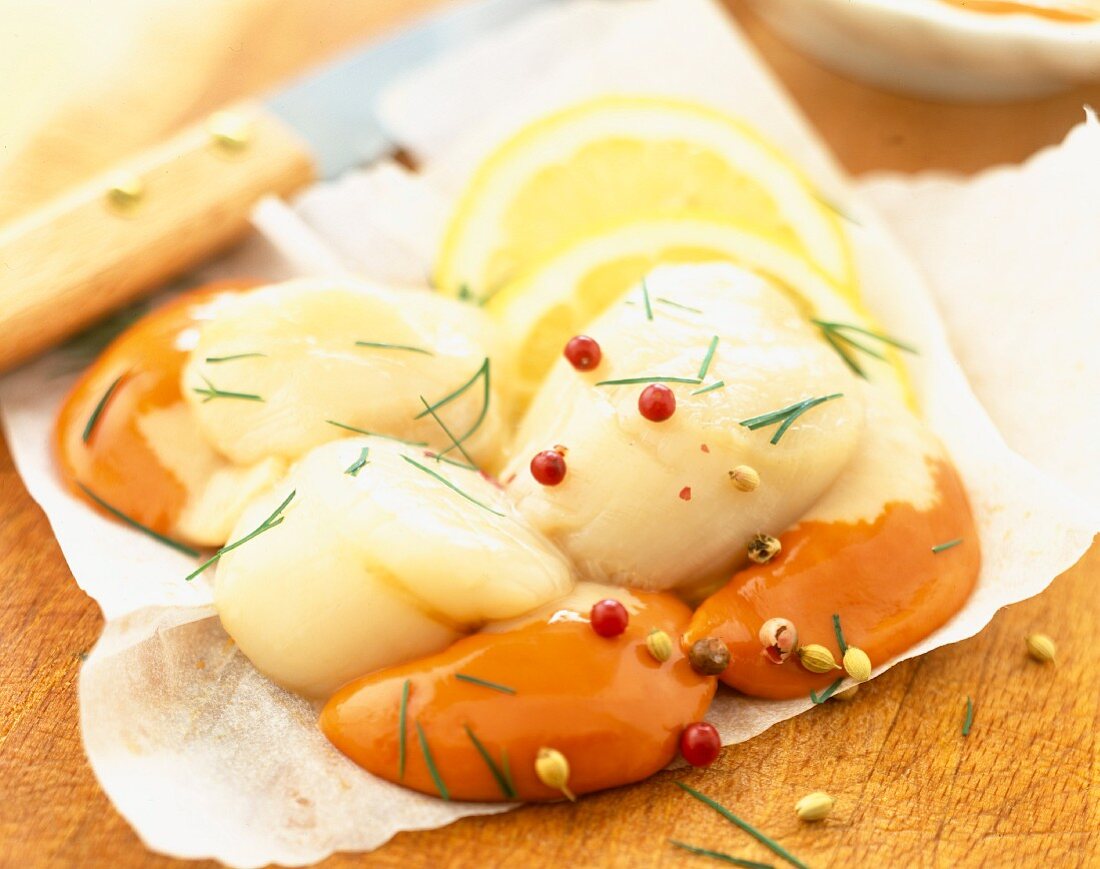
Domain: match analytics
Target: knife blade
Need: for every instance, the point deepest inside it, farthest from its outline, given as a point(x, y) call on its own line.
point(334, 108)
point(120, 235)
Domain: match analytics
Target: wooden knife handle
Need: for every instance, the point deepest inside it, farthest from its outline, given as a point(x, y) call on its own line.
point(80, 256)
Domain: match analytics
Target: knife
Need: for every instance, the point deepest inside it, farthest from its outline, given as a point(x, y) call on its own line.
point(122, 234)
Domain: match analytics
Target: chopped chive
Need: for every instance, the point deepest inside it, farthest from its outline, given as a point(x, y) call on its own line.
point(836, 209)
point(430, 761)
point(901, 345)
point(854, 343)
point(485, 683)
point(465, 294)
point(447, 399)
point(381, 345)
point(503, 782)
point(705, 367)
point(969, 716)
point(451, 486)
point(375, 434)
point(786, 414)
point(482, 372)
point(645, 295)
point(839, 634)
point(748, 828)
point(720, 855)
point(401, 719)
point(133, 523)
point(270, 522)
point(506, 770)
point(214, 360)
point(355, 467)
point(718, 385)
point(834, 333)
point(847, 358)
point(472, 464)
point(98, 411)
point(211, 392)
point(940, 547)
point(626, 381)
point(437, 457)
point(827, 693)
point(673, 304)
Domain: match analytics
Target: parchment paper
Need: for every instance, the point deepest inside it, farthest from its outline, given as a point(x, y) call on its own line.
point(205, 758)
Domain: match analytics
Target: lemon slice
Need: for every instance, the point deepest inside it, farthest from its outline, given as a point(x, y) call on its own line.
point(597, 164)
point(540, 311)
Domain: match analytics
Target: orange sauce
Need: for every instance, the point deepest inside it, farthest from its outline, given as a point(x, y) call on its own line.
point(116, 462)
point(881, 577)
point(1070, 12)
point(610, 707)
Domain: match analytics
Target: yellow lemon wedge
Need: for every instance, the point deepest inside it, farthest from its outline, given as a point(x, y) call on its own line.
point(585, 168)
point(541, 310)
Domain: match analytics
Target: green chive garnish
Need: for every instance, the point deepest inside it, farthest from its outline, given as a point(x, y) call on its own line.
point(211, 392)
point(969, 716)
point(438, 458)
point(381, 345)
point(451, 485)
point(836, 209)
point(355, 467)
point(465, 294)
point(839, 634)
point(705, 367)
point(748, 828)
point(430, 761)
point(504, 782)
point(648, 307)
point(472, 465)
point(270, 522)
point(506, 769)
point(133, 523)
point(721, 855)
point(837, 336)
point(626, 381)
point(673, 304)
point(485, 683)
point(940, 547)
point(401, 718)
point(102, 403)
point(482, 373)
point(214, 360)
point(827, 693)
point(711, 388)
point(786, 415)
point(375, 434)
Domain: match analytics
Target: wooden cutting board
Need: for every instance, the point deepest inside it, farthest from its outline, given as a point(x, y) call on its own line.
point(1021, 790)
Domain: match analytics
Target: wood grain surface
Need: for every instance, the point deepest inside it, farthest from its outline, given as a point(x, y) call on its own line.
point(1021, 790)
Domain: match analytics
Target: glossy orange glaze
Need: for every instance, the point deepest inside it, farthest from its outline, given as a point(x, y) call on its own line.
point(881, 577)
point(1069, 12)
point(117, 463)
point(613, 710)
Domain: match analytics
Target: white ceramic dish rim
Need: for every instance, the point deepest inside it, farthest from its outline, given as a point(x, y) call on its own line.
point(1021, 24)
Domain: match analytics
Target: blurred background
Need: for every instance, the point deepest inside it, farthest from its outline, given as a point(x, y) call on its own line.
point(86, 84)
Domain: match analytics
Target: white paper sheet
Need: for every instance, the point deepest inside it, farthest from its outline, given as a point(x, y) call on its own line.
point(205, 758)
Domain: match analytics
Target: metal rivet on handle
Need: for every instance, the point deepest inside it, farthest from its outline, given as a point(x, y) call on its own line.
point(125, 193)
point(231, 132)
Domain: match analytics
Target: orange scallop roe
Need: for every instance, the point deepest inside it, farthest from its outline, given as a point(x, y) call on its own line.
point(882, 578)
point(607, 704)
point(1069, 12)
point(109, 454)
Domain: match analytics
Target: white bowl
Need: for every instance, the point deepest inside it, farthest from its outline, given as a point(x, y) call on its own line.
point(939, 50)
